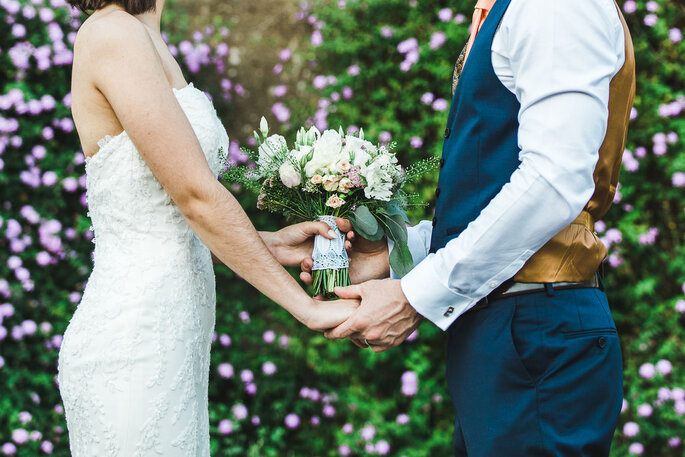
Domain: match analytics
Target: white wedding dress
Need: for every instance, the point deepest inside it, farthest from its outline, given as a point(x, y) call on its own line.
point(133, 367)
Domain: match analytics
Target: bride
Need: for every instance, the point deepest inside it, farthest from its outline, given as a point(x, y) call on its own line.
point(134, 364)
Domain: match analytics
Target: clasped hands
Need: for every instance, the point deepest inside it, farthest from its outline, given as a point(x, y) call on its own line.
point(384, 317)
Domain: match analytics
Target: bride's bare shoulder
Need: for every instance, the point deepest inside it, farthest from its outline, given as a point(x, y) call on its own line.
point(110, 33)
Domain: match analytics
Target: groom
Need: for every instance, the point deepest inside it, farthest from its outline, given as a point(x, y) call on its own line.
point(509, 265)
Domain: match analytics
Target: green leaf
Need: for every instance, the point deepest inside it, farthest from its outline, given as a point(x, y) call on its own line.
point(364, 222)
point(401, 260)
point(394, 207)
point(395, 228)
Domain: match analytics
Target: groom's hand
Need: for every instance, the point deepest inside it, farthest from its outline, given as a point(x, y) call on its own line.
point(292, 244)
point(368, 259)
point(384, 319)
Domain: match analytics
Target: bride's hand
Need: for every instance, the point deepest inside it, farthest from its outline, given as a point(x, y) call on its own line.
point(292, 244)
point(325, 315)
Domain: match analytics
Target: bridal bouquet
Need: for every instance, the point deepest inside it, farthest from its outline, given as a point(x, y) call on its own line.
point(329, 174)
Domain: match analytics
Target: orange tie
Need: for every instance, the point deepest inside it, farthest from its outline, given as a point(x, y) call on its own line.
point(483, 7)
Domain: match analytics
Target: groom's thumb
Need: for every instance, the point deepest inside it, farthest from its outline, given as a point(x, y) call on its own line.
point(354, 291)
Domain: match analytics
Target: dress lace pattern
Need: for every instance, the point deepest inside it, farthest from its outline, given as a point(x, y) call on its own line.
point(133, 367)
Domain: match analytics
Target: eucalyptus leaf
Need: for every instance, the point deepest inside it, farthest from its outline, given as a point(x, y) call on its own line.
point(396, 229)
point(401, 260)
point(394, 207)
point(364, 221)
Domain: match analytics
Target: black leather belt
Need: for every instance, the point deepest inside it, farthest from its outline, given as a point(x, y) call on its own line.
point(512, 288)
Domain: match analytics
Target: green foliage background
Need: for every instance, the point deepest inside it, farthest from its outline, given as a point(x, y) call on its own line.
point(645, 274)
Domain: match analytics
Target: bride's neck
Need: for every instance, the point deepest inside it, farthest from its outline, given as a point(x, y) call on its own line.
point(153, 19)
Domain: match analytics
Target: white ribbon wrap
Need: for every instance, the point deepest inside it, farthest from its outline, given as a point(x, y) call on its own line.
point(330, 254)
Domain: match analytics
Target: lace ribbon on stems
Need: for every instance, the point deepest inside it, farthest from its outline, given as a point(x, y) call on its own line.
point(330, 254)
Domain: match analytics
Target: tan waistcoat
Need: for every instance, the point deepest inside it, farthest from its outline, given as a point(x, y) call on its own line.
point(575, 253)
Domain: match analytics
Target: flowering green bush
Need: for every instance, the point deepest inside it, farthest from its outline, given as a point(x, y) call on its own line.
point(277, 389)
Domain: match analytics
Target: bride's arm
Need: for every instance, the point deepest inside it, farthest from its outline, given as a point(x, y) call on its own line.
point(127, 70)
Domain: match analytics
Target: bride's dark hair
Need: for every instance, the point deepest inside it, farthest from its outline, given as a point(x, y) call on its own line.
point(131, 6)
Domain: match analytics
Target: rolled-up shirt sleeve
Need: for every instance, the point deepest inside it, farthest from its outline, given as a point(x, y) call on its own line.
point(558, 58)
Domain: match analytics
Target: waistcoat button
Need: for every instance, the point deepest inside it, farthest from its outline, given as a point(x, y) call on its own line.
point(442, 163)
point(447, 132)
point(435, 221)
point(601, 342)
point(437, 192)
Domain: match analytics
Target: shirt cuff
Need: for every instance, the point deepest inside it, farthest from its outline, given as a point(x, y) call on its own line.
point(431, 298)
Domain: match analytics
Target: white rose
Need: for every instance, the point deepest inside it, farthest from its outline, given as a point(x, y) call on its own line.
point(330, 183)
point(327, 152)
point(290, 177)
point(335, 202)
point(344, 166)
point(345, 185)
point(317, 179)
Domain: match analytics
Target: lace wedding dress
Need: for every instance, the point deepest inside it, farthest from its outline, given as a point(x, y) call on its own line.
point(134, 363)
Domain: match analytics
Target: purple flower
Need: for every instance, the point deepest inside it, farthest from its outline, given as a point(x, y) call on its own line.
point(47, 447)
point(678, 179)
point(636, 449)
point(445, 14)
point(410, 44)
point(280, 90)
point(647, 371)
point(20, 436)
point(320, 82)
point(664, 367)
point(328, 411)
point(225, 370)
point(239, 411)
point(251, 389)
point(630, 429)
point(347, 429)
point(402, 419)
point(368, 432)
point(459, 18)
point(281, 112)
point(382, 447)
point(416, 142)
point(385, 137)
point(674, 441)
point(246, 376)
point(268, 368)
point(437, 40)
point(652, 6)
point(353, 70)
point(344, 450)
point(427, 98)
point(675, 35)
point(9, 449)
point(680, 306)
point(651, 20)
point(316, 38)
point(440, 104)
point(285, 54)
point(386, 32)
point(645, 410)
point(679, 407)
point(630, 6)
point(225, 427)
point(292, 421)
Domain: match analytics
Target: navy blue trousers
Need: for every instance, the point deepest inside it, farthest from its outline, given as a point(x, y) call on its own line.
point(536, 375)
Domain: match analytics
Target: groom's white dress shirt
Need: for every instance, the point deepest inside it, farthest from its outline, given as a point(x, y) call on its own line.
point(558, 57)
